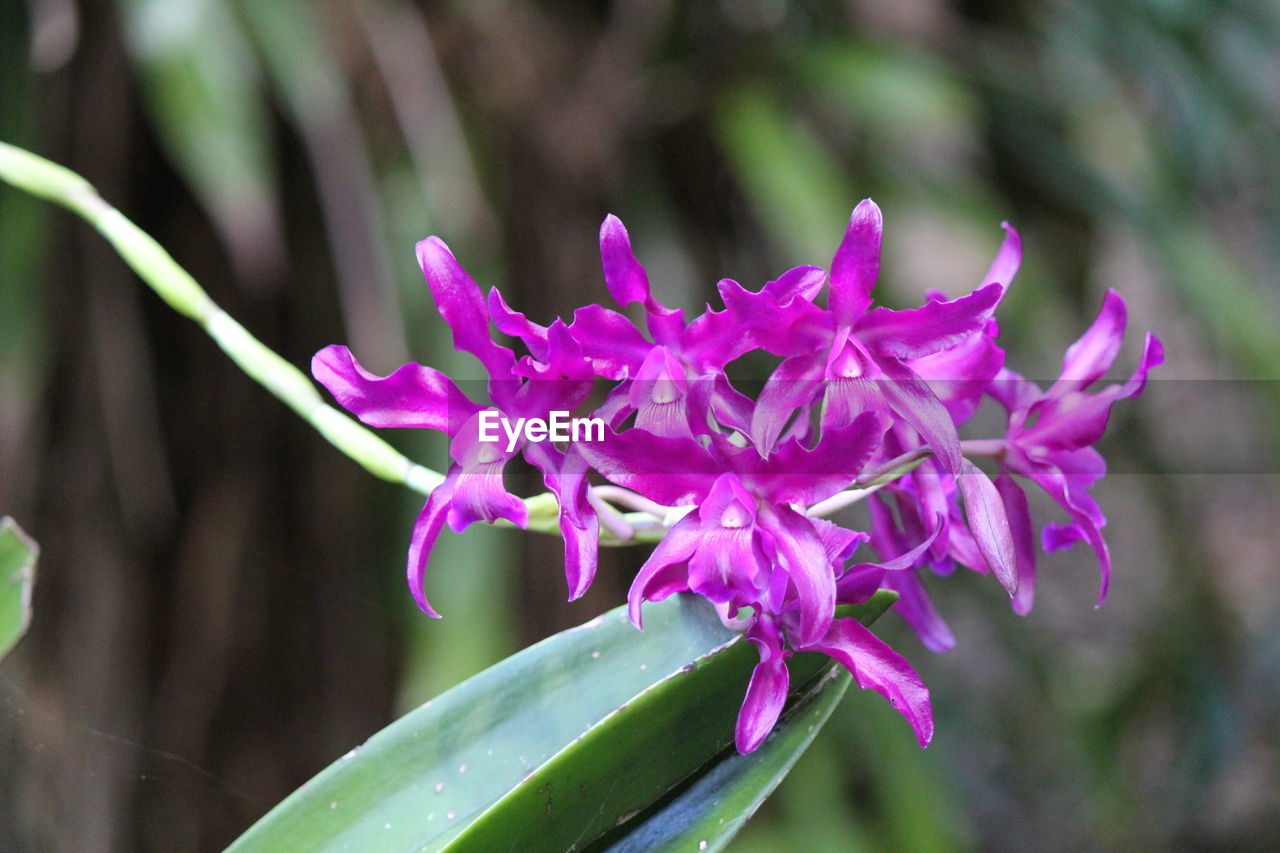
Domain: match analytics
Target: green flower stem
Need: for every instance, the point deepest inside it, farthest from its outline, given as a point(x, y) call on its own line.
point(156, 267)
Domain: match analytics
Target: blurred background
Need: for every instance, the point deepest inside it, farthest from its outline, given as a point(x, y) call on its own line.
point(221, 608)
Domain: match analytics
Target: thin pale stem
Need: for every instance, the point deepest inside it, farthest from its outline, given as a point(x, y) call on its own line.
point(906, 462)
point(610, 519)
point(631, 500)
point(646, 528)
point(159, 271)
point(839, 501)
point(880, 477)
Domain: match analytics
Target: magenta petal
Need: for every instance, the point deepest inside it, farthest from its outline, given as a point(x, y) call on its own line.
point(1076, 419)
point(962, 548)
point(1067, 478)
point(877, 667)
point(612, 343)
point(665, 325)
point(856, 264)
point(469, 447)
point(796, 283)
point(1056, 536)
point(858, 584)
point(673, 471)
point(412, 396)
point(628, 282)
point(910, 396)
point(732, 409)
point(565, 377)
point(934, 504)
point(728, 504)
point(666, 570)
point(581, 534)
point(729, 563)
point(1015, 393)
point(794, 383)
point(1090, 356)
point(917, 610)
point(712, 340)
point(425, 532)
point(989, 525)
point(838, 543)
point(565, 475)
point(805, 561)
point(1019, 515)
point(961, 374)
point(782, 326)
point(767, 692)
point(1085, 514)
point(796, 475)
point(701, 417)
point(623, 274)
point(1152, 357)
point(616, 406)
point(1008, 259)
point(655, 582)
point(930, 328)
point(511, 322)
point(1085, 467)
point(844, 399)
point(909, 559)
point(481, 495)
point(657, 393)
point(462, 306)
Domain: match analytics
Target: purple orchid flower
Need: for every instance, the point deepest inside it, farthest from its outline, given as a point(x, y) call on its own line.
point(417, 396)
point(913, 605)
point(657, 374)
point(925, 367)
point(1050, 441)
point(856, 356)
point(745, 545)
point(858, 388)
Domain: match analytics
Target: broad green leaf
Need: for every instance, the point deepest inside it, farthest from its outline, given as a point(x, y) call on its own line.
point(547, 750)
point(18, 553)
point(416, 783)
point(633, 757)
point(708, 813)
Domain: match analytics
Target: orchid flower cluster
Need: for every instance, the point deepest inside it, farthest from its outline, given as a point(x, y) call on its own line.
point(863, 405)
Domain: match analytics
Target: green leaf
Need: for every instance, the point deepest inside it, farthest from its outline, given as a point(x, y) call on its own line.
point(638, 754)
point(549, 749)
point(18, 553)
point(421, 779)
point(708, 813)
point(203, 91)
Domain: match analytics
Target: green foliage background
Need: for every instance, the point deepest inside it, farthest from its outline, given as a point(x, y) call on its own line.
point(221, 609)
